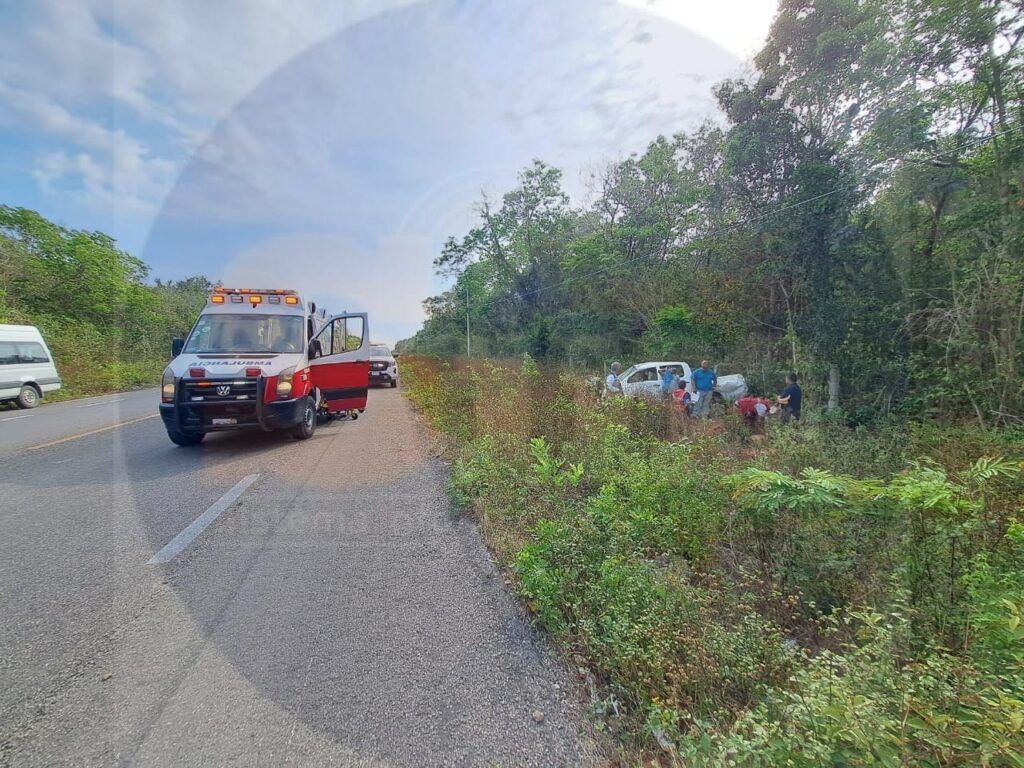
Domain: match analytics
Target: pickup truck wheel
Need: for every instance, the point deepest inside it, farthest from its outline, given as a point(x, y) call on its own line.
point(305, 428)
point(185, 439)
point(28, 397)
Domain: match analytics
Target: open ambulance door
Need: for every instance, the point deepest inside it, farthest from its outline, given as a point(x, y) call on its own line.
point(339, 362)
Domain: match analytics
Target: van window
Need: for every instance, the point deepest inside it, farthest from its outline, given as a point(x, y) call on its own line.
point(31, 352)
point(21, 352)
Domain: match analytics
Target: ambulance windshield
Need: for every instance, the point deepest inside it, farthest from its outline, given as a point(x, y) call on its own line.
point(218, 333)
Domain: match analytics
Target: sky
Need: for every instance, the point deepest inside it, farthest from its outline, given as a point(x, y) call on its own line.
point(332, 146)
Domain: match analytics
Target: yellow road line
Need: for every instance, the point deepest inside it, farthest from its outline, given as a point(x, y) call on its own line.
point(91, 432)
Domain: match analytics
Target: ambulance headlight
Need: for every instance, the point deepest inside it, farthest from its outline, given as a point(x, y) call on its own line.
point(284, 383)
point(167, 385)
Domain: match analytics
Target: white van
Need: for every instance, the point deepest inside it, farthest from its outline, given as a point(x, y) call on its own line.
point(26, 366)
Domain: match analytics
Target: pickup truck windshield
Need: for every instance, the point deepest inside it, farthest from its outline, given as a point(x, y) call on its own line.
point(246, 333)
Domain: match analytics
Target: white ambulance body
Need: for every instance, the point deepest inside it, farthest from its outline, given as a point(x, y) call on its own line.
point(263, 359)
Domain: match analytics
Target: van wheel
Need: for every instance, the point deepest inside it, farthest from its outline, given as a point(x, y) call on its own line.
point(394, 383)
point(28, 397)
point(185, 438)
point(305, 428)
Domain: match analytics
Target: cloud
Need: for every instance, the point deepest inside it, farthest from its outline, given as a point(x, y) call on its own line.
point(340, 274)
point(371, 118)
point(46, 115)
point(375, 123)
point(116, 171)
point(58, 49)
point(739, 26)
point(115, 87)
point(383, 137)
point(123, 181)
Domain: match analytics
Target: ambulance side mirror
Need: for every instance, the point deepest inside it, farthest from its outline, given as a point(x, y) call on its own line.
point(314, 349)
point(176, 346)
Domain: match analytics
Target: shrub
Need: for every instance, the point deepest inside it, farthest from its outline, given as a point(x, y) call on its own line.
point(736, 605)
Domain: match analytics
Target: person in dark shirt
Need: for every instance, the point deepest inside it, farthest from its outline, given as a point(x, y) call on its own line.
point(790, 399)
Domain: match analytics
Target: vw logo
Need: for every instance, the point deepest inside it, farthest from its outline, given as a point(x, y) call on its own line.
point(223, 390)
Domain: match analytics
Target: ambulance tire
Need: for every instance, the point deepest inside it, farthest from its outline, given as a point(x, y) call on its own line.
point(394, 383)
point(185, 439)
point(305, 428)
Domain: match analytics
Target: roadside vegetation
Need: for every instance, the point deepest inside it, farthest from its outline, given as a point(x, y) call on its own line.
point(828, 596)
point(846, 592)
point(856, 214)
point(108, 328)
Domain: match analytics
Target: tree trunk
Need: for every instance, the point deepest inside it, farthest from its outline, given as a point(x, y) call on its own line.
point(833, 387)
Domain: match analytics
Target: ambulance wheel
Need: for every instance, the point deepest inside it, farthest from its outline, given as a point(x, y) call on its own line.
point(185, 438)
point(394, 383)
point(28, 397)
point(305, 428)
point(353, 415)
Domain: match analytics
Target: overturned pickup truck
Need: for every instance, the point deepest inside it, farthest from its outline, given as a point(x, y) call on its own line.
point(644, 380)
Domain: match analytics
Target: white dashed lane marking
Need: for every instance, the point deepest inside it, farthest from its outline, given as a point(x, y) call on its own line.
point(201, 523)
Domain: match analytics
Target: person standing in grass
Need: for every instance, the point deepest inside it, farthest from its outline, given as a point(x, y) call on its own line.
point(668, 381)
point(704, 380)
point(791, 399)
point(613, 384)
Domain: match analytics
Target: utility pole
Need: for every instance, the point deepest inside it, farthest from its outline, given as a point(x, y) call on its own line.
point(467, 321)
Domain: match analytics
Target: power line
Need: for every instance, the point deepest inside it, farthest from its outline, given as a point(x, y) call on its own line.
point(734, 225)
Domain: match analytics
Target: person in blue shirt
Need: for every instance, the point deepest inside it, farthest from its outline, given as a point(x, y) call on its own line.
point(668, 382)
point(704, 380)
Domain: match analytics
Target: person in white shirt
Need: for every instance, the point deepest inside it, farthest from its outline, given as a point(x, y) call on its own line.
point(613, 384)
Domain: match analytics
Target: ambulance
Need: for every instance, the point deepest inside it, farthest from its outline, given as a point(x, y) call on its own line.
point(264, 359)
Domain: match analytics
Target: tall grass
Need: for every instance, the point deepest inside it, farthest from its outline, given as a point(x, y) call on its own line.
point(825, 596)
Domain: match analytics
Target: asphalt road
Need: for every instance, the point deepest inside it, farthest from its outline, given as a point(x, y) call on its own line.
point(334, 612)
point(24, 430)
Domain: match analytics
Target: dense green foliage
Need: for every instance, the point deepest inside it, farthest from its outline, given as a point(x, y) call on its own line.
point(857, 217)
point(734, 605)
point(108, 328)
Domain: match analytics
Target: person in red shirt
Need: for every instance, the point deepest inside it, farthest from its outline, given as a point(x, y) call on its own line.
point(753, 410)
point(681, 398)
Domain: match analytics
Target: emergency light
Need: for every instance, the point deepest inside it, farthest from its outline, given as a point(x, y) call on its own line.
point(267, 291)
point(255, 295)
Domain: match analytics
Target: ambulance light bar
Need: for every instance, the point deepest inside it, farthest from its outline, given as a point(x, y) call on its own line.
point(255, 295)
point(267, 291)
